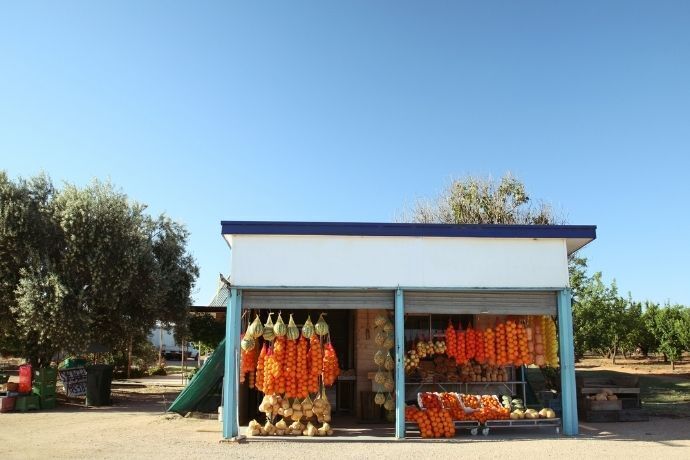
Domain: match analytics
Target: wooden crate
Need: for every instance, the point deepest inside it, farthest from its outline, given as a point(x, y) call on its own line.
point(594, 405)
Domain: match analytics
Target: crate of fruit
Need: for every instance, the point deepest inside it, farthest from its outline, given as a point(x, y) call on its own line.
point(470, 403)
point(429, 400)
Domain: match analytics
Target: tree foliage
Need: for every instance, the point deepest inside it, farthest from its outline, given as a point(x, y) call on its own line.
point(85, 265)
point(478, 200)
point(670, 326)
point(604, 321)
point(204, 330)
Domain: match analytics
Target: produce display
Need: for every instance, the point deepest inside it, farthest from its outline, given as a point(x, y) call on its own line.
point(248, 364)
point(513, 342)
point(384, 360)
point(436, 412)
point(545, 341)
point(292, 368)
point(603, 395)
point(432, 423)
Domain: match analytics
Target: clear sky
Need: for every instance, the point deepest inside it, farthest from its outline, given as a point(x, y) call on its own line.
point(324, 110)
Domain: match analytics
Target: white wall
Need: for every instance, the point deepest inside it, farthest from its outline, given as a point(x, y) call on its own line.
point(355, 261)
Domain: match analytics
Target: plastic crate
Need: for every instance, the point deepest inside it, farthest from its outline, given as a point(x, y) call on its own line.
point(46, 376)
point(7, 403)
point(25, 378)
point(25, 403)
point(48, 403)
point(44, 391)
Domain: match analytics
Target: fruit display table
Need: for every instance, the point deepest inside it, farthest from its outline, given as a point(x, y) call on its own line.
point(522, 423)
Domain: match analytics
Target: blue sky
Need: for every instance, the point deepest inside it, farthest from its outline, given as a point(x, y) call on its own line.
point(318, 110)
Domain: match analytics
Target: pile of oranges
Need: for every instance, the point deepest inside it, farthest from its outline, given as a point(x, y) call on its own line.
point(331, 369)
point(492, 409)
point(511, 342)
point(471, 401)
point(302, 371)
point(480, 348)
point(432, 423)
point(452, 404)
point(291, 370)
point(451, 341)
point(280, 355)
point(470, 343)
point(490, 346)
point(315, 363)
point(429, 401)
point(460, 351)
point(248, 364)
point(260, 368)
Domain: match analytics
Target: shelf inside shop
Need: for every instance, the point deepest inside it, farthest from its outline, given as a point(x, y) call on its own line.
point(522, 423)
point(442, 385)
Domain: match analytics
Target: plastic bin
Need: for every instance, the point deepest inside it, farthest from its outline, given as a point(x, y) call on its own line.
point(48, 403)
point(46, 376)
point(98, 380)
point(71, 363)
point(44, 390)
point(25, 403)
point(25, 377)
point(7, 403)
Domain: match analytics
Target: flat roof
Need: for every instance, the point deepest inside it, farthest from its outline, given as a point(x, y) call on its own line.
point(577, 236)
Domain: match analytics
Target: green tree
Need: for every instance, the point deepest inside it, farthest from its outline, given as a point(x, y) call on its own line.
point(643, 335)
point(603, 321)
point(29, 243)
point(87, 265)
point(205, 331)
point(671, 329)
point(477, 200)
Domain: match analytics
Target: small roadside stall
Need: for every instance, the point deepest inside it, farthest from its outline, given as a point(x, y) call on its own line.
point(350, 316)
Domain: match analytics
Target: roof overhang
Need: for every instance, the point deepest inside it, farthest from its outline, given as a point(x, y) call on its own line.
point(575, 236)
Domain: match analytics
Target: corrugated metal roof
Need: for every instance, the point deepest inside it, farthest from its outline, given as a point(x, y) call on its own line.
point(222, 295)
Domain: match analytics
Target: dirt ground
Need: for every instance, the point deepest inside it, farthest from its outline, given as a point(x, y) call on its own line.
point(137, 427)
point(638, 365)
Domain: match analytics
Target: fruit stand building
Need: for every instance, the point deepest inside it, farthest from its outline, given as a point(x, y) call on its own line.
point(407, 269)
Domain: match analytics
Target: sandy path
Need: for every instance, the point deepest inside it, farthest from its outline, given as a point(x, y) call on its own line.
point(140, 430)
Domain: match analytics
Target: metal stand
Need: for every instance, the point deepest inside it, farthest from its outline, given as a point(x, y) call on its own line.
point(522, 423)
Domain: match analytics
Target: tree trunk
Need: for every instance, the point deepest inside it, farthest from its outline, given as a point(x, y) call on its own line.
point(129, 356)
point(160, 346)
point(625, 355)
point(673, 365)
point(183, 361)
point(613, 354)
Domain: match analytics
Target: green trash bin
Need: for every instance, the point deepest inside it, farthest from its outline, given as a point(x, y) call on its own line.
point(45, 376)
point(98, 380)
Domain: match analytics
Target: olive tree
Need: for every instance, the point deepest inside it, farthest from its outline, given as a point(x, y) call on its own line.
point(98, 268)
point(478, 200)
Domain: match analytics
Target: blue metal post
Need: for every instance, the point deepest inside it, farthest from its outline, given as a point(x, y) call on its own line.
point(231, 377)
point(399, 364)
point(567, 347)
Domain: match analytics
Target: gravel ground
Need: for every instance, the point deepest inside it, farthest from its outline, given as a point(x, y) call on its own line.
point(136, 427)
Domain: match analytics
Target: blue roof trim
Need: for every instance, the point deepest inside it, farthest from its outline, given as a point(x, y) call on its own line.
point(397, 229)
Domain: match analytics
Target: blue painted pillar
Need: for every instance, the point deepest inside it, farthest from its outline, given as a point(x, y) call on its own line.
point(399, 364)
point(232, 361)
point(567, 348)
